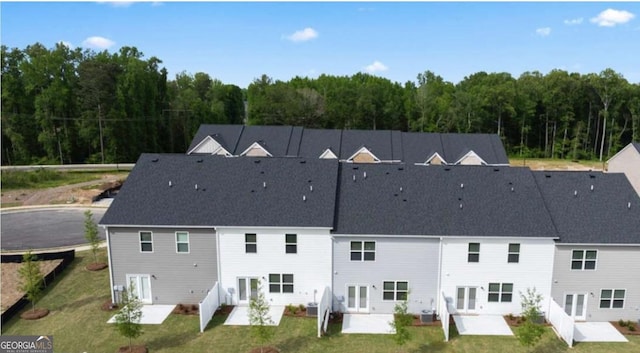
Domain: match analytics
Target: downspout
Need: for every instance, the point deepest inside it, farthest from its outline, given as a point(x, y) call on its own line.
point(110, 262)
point(219, 264)
point(439, 289)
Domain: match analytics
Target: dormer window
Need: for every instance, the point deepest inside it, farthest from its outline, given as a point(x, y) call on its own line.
point(328, 154)
point(363, 155)
point(435, 159)
point(471, 158)
point(256, 150)
point(209, 145)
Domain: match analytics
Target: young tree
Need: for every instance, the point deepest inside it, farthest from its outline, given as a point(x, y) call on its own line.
point(91, 234)
point(128, 318)
point(31, 278)
point(530, 332)
point(259, 318)
point(402, 320)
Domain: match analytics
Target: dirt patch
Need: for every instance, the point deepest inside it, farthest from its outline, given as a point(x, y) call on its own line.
point(516, 321)
point(265, 350)
point(555, 164)
point(108, 306)
point(186, 309)
point(34, 314)
point(295, 311)
point(132, 349)
point(11, 280)
point(81, 193)
point(96, 266)
point(225, 310)
point(336, 317)
point(627, 327)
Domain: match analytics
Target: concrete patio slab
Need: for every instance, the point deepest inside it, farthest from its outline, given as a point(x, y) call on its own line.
point(240, 315)
point(152, 314)
point(597, 332)
point(367, 323)
point(485, 325)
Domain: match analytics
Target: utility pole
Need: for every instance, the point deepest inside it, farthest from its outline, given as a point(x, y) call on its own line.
point(100, 128)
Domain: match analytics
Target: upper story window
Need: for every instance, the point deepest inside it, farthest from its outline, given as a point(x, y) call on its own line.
point(250, 243)
point(363, 251)
point(146, 242)
point(474, 252)
point(182, 242)
point(500, 292)
point(584, 259)
point(612, 298)
point(395, 290)
point(514, 253)
point(291, 243)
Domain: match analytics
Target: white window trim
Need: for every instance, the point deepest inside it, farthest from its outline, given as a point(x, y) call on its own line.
point(428, 161)
point(254, 145)
point(395, 291)
point(584, 259)
point(470, 253)
point(247, 243)
point(140, 242)
point(624, 300)
point(471, 153)
point(287, 244)
point(509, 253)
point(362, 251)
point(363, 150)
point(500, 292)
point(328, 154)
point(188, 242)
point(281, 283)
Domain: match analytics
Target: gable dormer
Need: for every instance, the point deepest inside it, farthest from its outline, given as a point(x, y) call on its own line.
point(435, 159)
point(328, 154)
point(363, 155)
point(256, 150)
point(208, 145)
point(471, 158)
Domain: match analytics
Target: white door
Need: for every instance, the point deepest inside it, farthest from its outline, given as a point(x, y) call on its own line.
point(247, 289)
point(141, 287)
point(358, 298)
point(575, 305)
point(466, 299)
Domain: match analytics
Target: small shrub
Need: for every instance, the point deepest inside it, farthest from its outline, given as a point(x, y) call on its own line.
point(622, 323)
point(631, 327)
point(292, 309)
point(510, 317)
point(302, 307)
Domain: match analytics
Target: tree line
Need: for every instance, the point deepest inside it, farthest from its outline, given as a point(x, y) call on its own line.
point(63, 105)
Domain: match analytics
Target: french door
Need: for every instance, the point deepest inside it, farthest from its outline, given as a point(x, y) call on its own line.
point(358, 298)
point(575, 305)
point(141, 286)
point(466, 299)
point(247, 289)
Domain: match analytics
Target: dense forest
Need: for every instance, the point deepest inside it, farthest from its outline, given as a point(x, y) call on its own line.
point(62, 105)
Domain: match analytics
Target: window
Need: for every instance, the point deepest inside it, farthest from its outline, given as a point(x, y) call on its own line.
point(612, 298)
point(514, 253)
point(500, 292)
point(291, 243)
point(250, 243)
point(363, 251)
point(182, 242)
point(474, 252)
point(584, 259)
point(395, 290)
point(280, 283)
point(146, 242)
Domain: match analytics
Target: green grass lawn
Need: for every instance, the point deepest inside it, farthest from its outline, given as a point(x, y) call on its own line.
point(79, 325)
point(45, 178)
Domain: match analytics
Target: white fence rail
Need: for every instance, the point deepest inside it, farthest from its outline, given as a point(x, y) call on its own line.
point(324, 309)
point(563, 324)
point(444, 317)
point(208, 306)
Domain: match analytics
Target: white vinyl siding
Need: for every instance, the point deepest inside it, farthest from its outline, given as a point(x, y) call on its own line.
point(146, 241)
point(182, 242)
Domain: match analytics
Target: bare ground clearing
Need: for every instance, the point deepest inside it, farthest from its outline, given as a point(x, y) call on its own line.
point(11, 280)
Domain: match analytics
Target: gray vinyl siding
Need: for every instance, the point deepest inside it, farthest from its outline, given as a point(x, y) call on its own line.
point(616, 268)
point(414, 260)
point(179, 277)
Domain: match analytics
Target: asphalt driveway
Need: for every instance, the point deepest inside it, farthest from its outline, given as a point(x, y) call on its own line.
point(45, 228)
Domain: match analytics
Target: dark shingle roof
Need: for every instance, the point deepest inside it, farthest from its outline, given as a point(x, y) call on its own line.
point(420, 146)
point(582, 215)
point(275, 139)
point(316, 141)
point(636, 145)
point(226, 135)
point(230, 192)
point(417, 200)
point(377, 142)
point(457, 146)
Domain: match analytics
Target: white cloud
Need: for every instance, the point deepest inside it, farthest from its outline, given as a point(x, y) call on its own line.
point(544, 31)
point(157, 3)
point(117, 3)
point(303, 35)
point(611, 17)
point(574, 21)
point(376, 67)
point(98, 42)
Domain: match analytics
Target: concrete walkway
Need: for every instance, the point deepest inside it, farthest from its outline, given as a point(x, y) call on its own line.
point(240, 315)
point(485, 325)
point(151, 314)
point(597, 332)
point(367, 323)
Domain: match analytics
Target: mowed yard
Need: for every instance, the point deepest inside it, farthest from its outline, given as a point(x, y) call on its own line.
point(79, 325)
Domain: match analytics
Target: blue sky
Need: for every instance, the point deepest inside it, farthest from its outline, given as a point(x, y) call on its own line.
point(238, 42)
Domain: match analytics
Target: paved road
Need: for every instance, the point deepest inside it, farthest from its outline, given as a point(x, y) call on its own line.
point(45, 228)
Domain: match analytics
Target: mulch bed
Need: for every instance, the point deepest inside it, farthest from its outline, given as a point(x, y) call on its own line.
point(225, 310)
point(417, 322)
point(516, 321)
point(298, 312)
point(134, 349)
point(336, 317)
point(625, 329)
point(34, 314)
point(186, 309)
point(108, 306)
point(265, 350)
point(96, 266)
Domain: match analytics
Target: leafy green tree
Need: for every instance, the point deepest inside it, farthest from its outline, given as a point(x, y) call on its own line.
point(402, 320)
point(128, 317)
point(260, 319)
point(91, 234)
point(530, 332)
point(31, 278)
